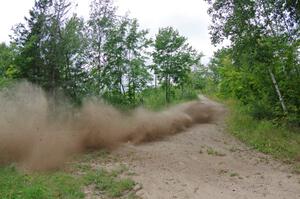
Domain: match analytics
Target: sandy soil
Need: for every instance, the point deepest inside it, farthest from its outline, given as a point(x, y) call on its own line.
point(206, 162)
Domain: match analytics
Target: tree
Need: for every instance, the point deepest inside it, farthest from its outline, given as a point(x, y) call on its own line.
point(136, 54)
point(7, 67)
point(28, 39)
point(99, 26)
point(264, 41)
point(49, 45)
point(74, 72)
point(126, 52)
point(117, 53)
point(173, 58)
point(107, 56)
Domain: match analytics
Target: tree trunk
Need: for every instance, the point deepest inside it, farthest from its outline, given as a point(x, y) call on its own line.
point(280, 97)
point(277, 90)
point(167, 89)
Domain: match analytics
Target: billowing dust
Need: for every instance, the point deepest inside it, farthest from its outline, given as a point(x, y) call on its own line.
point(38, 137)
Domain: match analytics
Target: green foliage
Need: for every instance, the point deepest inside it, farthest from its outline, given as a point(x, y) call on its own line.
point(154, 98)
point(261, 67)
point(263, 135)
point(108, 56)
point(14, 185)
point(4, 82)
point(251, 87)
point(173, 58)
point(49, 48)
point(118, 58)
point(7, 67)
point(108, 182)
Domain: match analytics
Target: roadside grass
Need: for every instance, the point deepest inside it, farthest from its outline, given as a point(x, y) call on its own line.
point(262, 135)
point(109, 183)
point(18, 185)
point(211, 151)
point(67, 184)
point(113, 183)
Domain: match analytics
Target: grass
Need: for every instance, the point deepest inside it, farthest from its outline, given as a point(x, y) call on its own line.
point(109, 183)
point(211, 151)
point(18, 185)
point(68, 184)
point(234, 174)
point(262, 135)
point(151, 98)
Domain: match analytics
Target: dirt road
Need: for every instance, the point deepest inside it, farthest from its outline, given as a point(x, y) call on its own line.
point(206, 162)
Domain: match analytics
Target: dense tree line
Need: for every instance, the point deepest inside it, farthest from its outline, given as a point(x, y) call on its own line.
point(261, 67)
point(107, 55)
point(110, 56)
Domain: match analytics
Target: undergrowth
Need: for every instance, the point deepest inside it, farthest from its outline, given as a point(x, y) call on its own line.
point(263, 135)
point(155, 99)
point(18, 185)
point(68, 184)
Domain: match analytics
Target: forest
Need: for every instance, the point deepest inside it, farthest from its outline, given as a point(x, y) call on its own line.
point(106, 56)
point(73, 89)
point(261, 66)
point(110, 57)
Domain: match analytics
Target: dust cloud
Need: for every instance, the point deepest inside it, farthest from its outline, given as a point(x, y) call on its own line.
point(36, 137)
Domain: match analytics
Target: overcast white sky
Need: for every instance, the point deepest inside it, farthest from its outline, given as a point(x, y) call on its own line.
point(188, 16)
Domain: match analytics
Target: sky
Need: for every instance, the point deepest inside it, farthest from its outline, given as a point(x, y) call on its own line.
point(188, 16)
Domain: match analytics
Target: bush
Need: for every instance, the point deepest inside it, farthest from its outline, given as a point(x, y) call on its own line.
point(155, 98)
